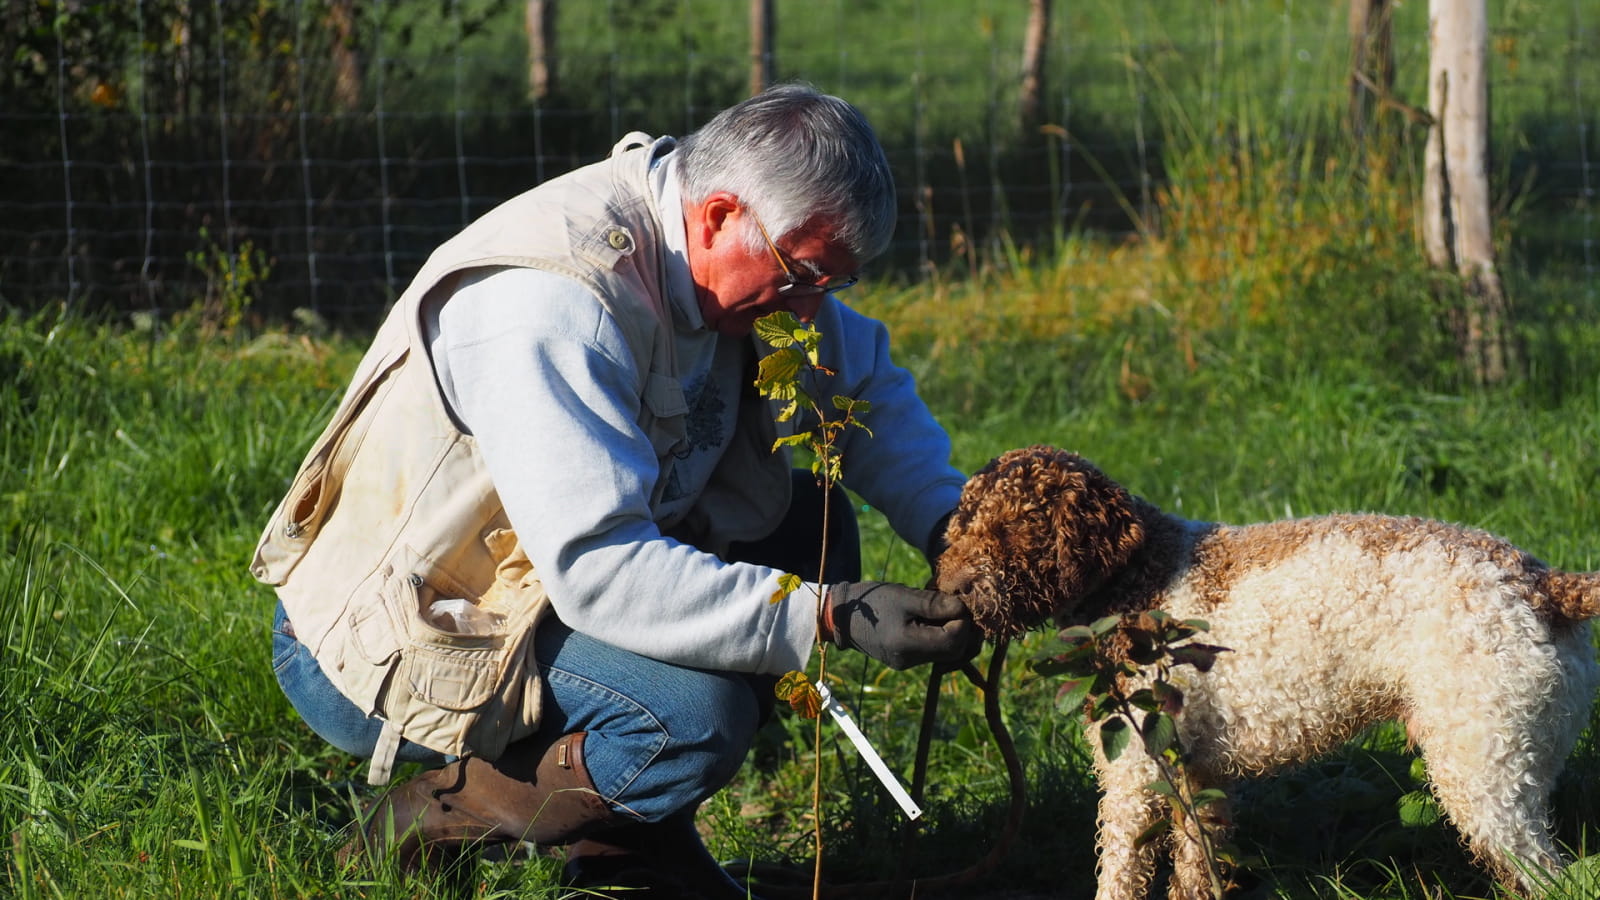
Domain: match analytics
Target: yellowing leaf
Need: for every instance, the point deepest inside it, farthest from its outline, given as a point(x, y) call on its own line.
point(777, 374)
point(788, 583)
point(796, 689)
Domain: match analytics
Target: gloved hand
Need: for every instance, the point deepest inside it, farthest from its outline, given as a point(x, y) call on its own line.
point(898, 625)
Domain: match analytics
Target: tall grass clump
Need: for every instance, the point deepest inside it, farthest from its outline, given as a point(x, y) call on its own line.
point(1273, 242)
point(145, 751)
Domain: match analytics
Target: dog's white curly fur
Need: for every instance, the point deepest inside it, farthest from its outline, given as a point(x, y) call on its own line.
point(1332, 624)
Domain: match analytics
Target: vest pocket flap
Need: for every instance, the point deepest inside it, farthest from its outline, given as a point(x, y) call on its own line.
point(291, 529)
point(316, 486)
point(451, 680)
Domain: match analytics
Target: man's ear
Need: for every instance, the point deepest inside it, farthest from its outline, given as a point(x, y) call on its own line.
point(712, 216)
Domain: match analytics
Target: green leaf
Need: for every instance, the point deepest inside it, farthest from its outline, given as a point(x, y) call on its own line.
point(1143, 699)
point(1163, 787)
point(1114, 737)
point(778, 373)
point(1106, 707)
point(851, 404)
point(1079, 659)
point(1072, 693)
point(1046, 668)
point(1229, 855)
point(810, 339)
point(1418, 771)
point(1157, 829)
point(1159, 731)
point(777, 329)
point(1106, 625)
point(1075, 633)
point(1418, 809)
point(1209, 797)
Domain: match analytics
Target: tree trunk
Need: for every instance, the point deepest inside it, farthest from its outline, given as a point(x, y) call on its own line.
point(1457, 233)
point(762, 27)
point(1030, 104)
point(541, 25)
point(346, 67)
point(1371, 30)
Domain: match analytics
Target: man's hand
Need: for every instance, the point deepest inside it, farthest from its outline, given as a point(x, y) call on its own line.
point(898, 625)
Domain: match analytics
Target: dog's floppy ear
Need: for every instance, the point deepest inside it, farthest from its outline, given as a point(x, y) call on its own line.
point(1096, 524)
point(1036, 530)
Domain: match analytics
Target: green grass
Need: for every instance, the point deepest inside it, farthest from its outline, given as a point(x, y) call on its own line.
point(146, 752)
point(1268, 347)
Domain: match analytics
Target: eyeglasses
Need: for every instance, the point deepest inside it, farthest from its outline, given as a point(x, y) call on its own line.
point(796, 287)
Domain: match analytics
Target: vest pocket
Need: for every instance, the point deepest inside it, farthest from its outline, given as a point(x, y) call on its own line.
point(451, 669)
point(664, 415)
point(377, 645)
point(316, 486)
point(451, 678)
point(453, 691)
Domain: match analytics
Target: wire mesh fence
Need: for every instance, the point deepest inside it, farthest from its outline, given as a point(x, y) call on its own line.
point(310, 153)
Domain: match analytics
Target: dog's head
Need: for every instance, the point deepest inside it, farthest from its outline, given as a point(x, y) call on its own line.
point(1036, 531)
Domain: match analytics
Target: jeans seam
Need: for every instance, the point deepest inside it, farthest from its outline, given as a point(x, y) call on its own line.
point(588, 685)
point(282, 658)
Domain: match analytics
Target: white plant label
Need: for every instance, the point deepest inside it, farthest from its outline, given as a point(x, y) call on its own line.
point(864, 747)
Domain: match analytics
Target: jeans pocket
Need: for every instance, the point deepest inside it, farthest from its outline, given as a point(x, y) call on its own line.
point(283, 640)
point(284, 646)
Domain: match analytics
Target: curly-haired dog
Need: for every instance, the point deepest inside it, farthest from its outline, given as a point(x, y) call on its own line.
point(1333, 623)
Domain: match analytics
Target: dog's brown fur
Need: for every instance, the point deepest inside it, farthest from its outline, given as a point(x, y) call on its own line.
point(1333, 623)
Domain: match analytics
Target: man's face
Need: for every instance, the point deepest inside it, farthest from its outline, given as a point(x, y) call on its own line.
point(737, 286)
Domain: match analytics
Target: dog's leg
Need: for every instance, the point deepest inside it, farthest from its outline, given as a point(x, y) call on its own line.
point(1191, 864)
point(1493, 762)
point(1126, 868)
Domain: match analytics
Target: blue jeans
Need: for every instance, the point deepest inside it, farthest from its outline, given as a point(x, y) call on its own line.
point(661, 738)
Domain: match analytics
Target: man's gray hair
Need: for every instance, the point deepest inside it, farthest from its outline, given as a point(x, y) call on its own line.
point(792, 153)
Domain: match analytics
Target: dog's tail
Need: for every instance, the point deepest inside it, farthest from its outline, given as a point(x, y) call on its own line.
point(1572, 595)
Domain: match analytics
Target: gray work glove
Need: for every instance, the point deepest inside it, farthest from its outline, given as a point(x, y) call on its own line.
point(898, 625)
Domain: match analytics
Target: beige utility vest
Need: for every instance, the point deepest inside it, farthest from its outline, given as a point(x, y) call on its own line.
point(392, 510)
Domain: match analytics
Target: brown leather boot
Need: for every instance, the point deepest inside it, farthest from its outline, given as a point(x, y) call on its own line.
point(538, 791)
point(651, 861)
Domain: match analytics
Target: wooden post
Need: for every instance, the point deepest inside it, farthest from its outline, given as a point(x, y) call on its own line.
point(1457, 232)
point(541, 25)
point(1371, 31)
point(1035, 41)
point(762, 28)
